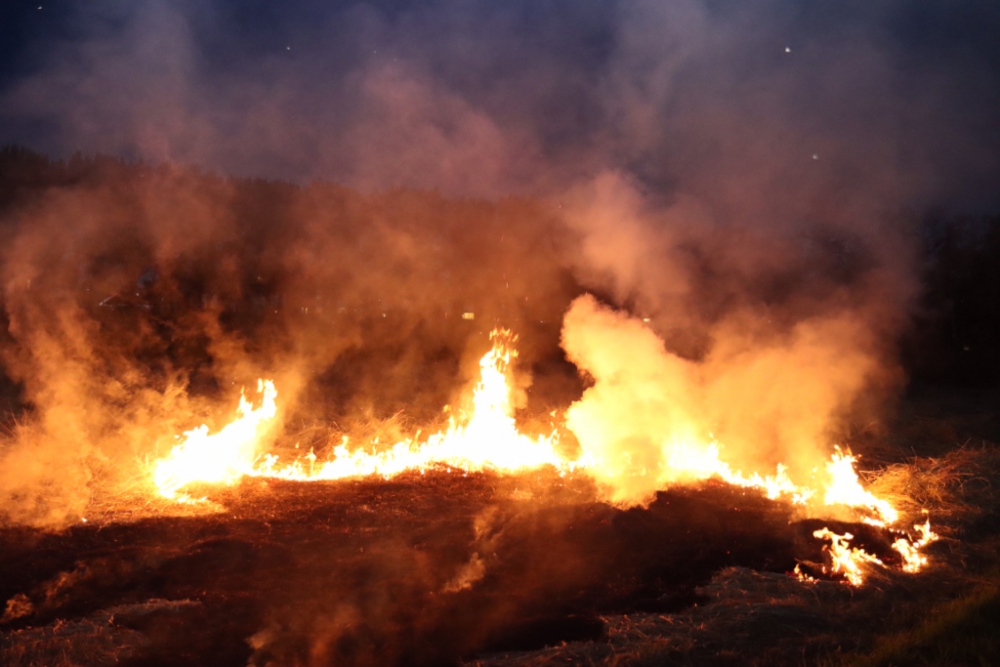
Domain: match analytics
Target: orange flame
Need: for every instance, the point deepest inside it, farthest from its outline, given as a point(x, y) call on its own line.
point(845, 489)
point(848, 561)
point(220, 457)
point(913, 560)
point(486, 438)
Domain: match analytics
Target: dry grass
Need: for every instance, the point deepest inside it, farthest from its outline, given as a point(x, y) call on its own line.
point(747, 618)
point(89, 642)
point(958, 632)
point(957, 489)
point(946, 615)
point(103, 638)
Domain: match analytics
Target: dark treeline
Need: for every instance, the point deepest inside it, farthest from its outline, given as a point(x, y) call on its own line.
point(955, 337)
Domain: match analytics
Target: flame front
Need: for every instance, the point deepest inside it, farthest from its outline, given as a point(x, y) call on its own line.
point(485, 437)
point(220, 457)
point(845, 489)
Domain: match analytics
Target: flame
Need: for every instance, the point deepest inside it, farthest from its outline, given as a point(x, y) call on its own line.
point(703, 462)
point(847, 560)
point(851, 561)
point(913, 560)
point(845, 489)
point(485, 437)
point(802, 576)
point(220, 457)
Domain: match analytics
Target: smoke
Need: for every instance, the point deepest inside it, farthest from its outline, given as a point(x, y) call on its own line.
point(476, 98)
point(697, 216)
point(737, 176)
point(91, 356)
point(767, 397)
point(141, 301)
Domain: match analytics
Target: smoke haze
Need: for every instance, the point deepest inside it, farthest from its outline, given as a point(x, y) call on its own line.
point(738, 176)
point(897, 100)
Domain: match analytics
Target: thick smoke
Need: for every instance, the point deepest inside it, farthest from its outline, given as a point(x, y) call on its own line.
point(768, 397)
point(772, 344)
point(695, 214)
point(141, 301)
point(735, 175)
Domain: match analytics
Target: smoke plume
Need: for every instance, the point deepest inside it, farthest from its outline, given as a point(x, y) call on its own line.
point(769, 398)
point(733, 182)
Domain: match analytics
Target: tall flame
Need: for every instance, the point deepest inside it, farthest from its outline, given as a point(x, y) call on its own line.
point(484, 438)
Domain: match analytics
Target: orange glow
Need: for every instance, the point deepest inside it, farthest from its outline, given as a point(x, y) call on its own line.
point(913, 560)
point(848, 561)
point(220, 457)
point(802, 576)
point(485, 437)
point(845, 489)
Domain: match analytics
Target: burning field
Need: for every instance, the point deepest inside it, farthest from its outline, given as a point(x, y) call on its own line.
point(464, 332)
point(398, 429)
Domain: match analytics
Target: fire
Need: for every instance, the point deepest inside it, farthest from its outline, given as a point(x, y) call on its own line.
point(485, 437)
point(845, 489)
point(220, 457)
point(848, 561)
point(913, 560)
point(703, 462)
point(851, 561)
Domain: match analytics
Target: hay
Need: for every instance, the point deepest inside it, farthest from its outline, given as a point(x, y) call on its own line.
point(753, 618)
point(956, 489)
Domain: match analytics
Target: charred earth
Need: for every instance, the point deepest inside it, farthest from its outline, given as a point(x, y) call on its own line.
point(425, 569)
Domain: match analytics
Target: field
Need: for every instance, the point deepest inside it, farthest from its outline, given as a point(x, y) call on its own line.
point(369, 310)
point(446, 568)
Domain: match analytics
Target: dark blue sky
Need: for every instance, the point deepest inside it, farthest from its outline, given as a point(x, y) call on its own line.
point(722, 99)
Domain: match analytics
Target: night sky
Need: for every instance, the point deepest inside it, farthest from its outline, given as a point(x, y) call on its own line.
point(724, 100)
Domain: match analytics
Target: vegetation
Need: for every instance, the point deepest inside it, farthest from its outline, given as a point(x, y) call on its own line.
point(941, 455)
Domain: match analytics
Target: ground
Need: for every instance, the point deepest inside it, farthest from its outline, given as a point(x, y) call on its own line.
point(446, 568)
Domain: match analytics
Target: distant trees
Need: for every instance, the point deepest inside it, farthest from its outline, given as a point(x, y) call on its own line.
point(956, 333)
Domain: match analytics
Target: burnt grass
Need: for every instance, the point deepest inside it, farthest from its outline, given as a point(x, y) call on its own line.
point(420, 570)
